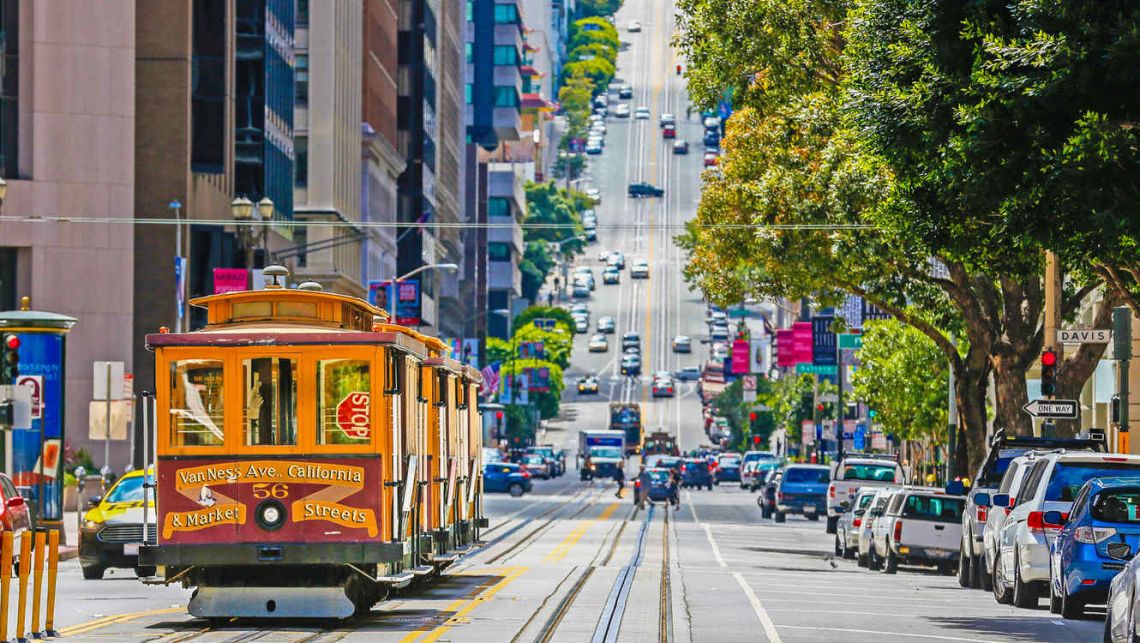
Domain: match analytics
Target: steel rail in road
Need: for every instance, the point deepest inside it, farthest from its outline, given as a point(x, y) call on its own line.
point(610, 621)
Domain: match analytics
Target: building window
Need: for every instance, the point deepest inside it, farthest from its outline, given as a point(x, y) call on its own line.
point(208, 87)
point(344, 386)
point(301, 69)
point(270, 410)
point(196, 403)
point(506, 97)
point(499, 251)
point(498, 207)
point(9, 86)
point(506, 14)
point(7, 279)
point(301, 164)
point(470, 10)
point(468, 92)
point(302, 13)
point(506, 55)
point(469, 51)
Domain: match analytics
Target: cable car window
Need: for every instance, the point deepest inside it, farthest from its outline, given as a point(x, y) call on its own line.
point(270, 413)
point(395, 375)
point(196, 403)
point(344, 406)
point(297, 309)
point(442, 381)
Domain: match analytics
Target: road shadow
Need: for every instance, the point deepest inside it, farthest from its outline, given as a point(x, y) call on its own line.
point(1006, 628)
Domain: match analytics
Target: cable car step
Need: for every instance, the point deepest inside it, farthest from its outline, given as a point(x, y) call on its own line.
point(444, 558)
point(400, 580)
point(271, 602)
point(422, 570)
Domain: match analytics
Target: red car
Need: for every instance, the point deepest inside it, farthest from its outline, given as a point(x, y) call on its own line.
point(669, 132)
point(711, 159)
point(14, 514)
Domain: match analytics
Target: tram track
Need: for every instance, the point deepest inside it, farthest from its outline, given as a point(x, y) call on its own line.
point(531, 535)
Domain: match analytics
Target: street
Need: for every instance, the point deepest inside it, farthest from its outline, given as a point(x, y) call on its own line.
point(572, 562)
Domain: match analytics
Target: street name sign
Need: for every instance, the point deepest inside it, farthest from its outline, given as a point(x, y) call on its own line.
point(816, 369)
point(1053, 409)
point(851, 340)
point(1084, 336)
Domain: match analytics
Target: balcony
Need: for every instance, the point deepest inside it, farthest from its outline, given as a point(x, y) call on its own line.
point(504, 275)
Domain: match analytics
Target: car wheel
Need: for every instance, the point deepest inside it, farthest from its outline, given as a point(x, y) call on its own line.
point(1072, 607)
point(862, 560)
point(832, 523)
point(963, 567)
point(873, 562)
point(93, 573)
point(515, 490)
point(145, 571)
point(812, 517)
point(1001, 592)
point(1025, 595)
point(1107, 637)
point(891, 564)
point(1054, 598)
point(779, 516)
point(838, 547)
point(710, 486)
point(982, 578)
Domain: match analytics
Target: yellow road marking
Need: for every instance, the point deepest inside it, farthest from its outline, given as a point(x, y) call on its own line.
point(99, 623)
point(471, 604)
point(572, 539)
point(657, 16)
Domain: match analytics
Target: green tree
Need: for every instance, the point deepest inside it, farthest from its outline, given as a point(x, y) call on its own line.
point(498, 350)
point(904, 377)
point(528, 315)
point(598, 70)
point(549, 402)
point(730, 405)
point(588, 8)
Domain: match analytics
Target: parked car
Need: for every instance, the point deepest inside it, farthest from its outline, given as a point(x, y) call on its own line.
point(506, 477)
point(754, 466)
point(875, 511)
point(1101, 533)
point(682, 344)
point(972, 567)
point(1122, 618)
point(581, 324)
point(680, 146)
point(536, 466)
point(639, 189)
point(112, 529)
point(554, 457)
point(598, 344)
point(802, 490)
point(997, 511)
point(695, 473)
point(920, 527)
point(727, 468)
point(857, 470)
point(711, 159)
point(593, 147)
point(767, 497)
point(587, 385)
point(719, 333)
point(847, 529)
point(1022, 564)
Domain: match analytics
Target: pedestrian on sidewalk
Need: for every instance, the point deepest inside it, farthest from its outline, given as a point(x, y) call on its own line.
point(619, 478)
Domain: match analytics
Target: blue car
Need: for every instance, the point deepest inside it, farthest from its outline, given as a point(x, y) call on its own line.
point(1100, 536)
point(802, 490)
point(506, 477)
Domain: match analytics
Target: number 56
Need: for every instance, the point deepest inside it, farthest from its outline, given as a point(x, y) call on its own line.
point(264, 490)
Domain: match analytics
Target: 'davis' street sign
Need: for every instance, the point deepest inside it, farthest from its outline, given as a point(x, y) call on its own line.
point(1084, 336)
point(1053, 409)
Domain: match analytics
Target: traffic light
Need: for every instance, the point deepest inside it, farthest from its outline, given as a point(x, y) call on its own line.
point(752, 417)
point(756, 440)
point(10, 368)
point(1049, 373)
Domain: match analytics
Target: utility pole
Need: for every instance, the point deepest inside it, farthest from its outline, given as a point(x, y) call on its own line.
point(1052, 318)
point(1122, 353)
point(952, 424)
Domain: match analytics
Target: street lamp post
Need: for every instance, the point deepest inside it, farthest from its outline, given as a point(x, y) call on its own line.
point(179, 266)
point(242, 210)
point(450, 267)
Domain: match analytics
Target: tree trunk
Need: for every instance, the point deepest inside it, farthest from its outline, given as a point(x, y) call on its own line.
point(1011, 395)
point(970, 382)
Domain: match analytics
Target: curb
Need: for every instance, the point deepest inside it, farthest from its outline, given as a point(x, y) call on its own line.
point(67, 553)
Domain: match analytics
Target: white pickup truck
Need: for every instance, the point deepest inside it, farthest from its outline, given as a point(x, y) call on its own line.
point(921, 526)
point(858, 470)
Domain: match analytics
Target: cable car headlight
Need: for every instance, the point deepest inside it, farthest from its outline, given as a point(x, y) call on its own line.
point(270, 515)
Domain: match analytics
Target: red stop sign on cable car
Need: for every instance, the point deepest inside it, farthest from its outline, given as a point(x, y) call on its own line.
point(352, 416)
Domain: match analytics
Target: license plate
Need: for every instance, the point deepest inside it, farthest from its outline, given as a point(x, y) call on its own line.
point(131, 549)
point(809, 510)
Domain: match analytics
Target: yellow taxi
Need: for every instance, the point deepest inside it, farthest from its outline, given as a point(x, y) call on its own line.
point(112, 528)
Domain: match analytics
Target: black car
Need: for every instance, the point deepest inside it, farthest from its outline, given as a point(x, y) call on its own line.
point(767, 498)
point(625, 92)
point(727, 468)
point(711, 139)
point(695, 473)
point(631, 340)
point(642, 189)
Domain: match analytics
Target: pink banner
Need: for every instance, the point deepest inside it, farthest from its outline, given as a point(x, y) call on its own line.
point(785, 350)
point(801, 343)
point(741, 357)
point(230, 280)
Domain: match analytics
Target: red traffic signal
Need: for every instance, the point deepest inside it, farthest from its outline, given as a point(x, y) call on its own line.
point(1049, 373)
point(819, 407)
point(498, 415)
point(752, 416)
point(11, 342)
point(1049, 358)
point(755, 439)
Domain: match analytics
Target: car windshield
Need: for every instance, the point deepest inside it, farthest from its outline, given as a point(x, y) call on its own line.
point(1069, 477)
point(864, 500)
point(129, 490)
point(992, 474)
point(533, 459)
point(877, 472)
point(806, 475)
point(502, 467)
point(605, 452)
point(659, 476)
point(729, 461)
point(938, 508)
point(1117, 505)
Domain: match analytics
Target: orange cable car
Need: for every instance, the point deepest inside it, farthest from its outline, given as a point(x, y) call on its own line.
point(309, 458)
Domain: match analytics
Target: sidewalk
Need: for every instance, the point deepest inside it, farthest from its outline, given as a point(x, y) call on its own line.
point(71, 536)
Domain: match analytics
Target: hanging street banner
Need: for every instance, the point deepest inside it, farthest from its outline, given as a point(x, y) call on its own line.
point(1053, 409)
point(822, 340)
